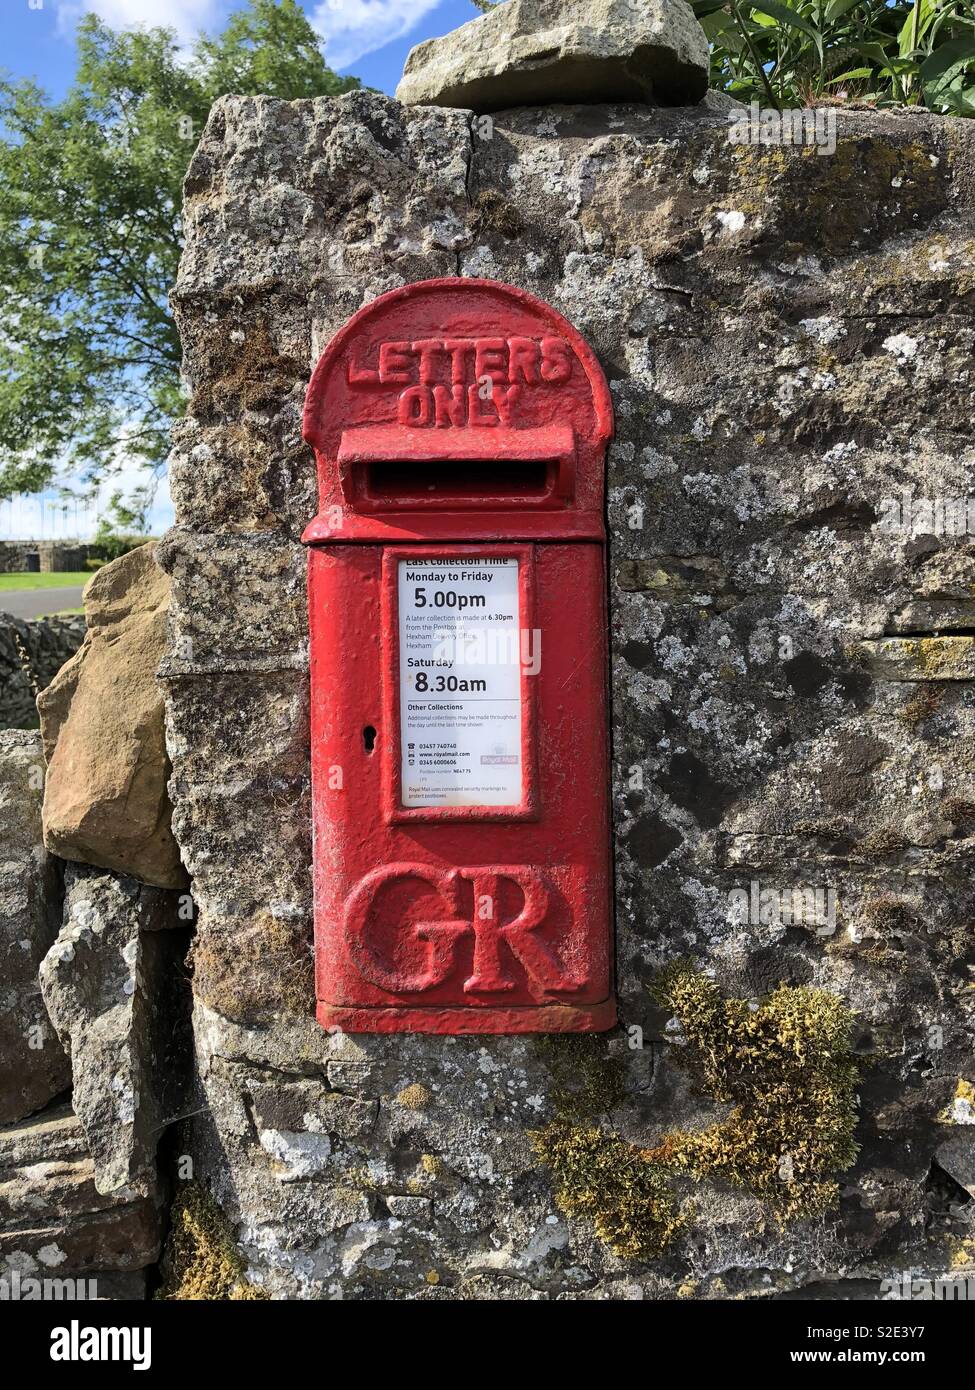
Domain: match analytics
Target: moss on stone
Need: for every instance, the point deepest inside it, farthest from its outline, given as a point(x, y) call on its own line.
point(491, 211)
point(201, 1259)
point(788, 1068)
point(262, 968)
point(587, 1081)
point(884, 840)
point(888, 915)
point(247, 375)
point(414, 1097)
point(922, 704)
point(602, 1179)
point(960, 811)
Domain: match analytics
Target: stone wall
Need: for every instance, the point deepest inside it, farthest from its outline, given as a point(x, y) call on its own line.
point(31, 654)
point(51, 556)
point(93, 1044)
point(788, 338)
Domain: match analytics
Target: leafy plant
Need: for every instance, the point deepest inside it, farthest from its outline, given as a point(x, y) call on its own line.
point(793, 53)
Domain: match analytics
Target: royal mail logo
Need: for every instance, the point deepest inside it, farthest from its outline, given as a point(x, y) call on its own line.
point(427, 949)
point(462, 381)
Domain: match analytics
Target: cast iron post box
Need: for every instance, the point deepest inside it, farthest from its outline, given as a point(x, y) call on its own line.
point(457, 599)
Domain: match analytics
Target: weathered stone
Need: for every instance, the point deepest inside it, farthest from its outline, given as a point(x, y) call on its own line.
point(102, 722)
point(417, 1209)
point(112, 987)
point(922, 658)
point(751, 306)
point(54, 1223)
point(957, 1157)
point(304, 1105)
point(33, 1065)
point(529, 52)
point(935, 615)
point(247, 616)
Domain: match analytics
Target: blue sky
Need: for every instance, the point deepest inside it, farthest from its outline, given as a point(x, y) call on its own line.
point(367, 38)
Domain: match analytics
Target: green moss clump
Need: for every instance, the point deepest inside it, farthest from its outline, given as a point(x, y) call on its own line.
point(587, 1081)
point(615, 1185)
point(201, 1259)
point(789, 1069)
point(414, 1097)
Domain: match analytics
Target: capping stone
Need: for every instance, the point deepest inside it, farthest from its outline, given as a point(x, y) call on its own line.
point(536, 52)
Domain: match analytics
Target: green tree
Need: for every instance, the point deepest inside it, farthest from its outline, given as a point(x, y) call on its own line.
point(90, 195)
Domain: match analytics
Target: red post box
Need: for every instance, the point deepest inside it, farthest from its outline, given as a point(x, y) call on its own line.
point(457, 604)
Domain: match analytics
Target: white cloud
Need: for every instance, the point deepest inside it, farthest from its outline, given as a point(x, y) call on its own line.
point(349, 28)
point(49, 516)
point(187, 17)
point(353, 28)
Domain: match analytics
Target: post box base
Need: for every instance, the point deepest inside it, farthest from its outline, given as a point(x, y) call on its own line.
point(547, 1018)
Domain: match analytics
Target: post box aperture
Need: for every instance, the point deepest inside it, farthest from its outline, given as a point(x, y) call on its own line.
point(457, 611)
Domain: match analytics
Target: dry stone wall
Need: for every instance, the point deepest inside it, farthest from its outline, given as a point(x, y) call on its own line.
point(31, 653)
point(788, 337)
point(93, 1057)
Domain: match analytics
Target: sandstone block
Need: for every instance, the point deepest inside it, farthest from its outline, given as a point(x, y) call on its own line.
point(102, 722)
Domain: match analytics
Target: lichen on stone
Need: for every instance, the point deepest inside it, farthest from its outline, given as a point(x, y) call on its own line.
point(961, 1110)
point(201, 1260)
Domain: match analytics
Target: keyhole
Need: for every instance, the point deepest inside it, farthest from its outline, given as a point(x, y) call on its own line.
point(369, 738)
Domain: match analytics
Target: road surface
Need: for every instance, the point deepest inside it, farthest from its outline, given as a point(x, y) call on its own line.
point(33, 603)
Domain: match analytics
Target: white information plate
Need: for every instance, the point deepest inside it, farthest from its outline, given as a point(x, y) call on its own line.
point(460, 682)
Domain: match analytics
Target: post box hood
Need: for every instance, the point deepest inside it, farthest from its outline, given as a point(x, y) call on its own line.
point(455, 407)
